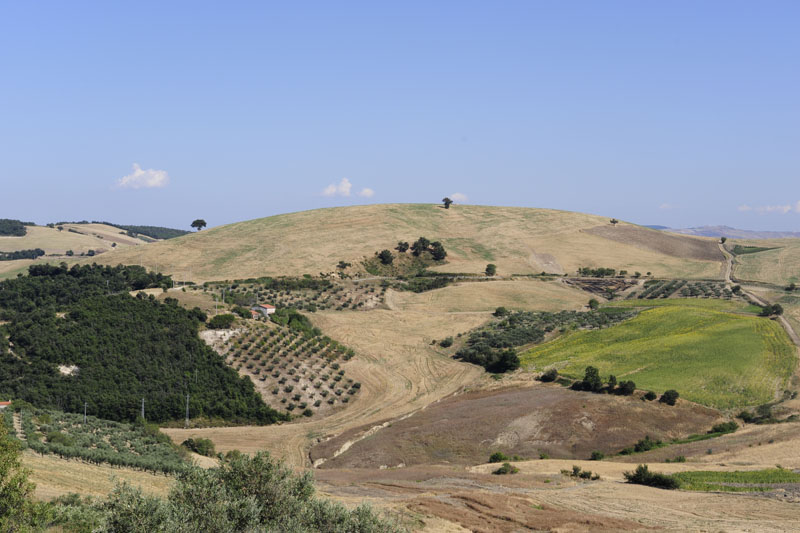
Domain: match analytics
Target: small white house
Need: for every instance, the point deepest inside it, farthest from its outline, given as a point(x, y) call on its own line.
point(264, 309)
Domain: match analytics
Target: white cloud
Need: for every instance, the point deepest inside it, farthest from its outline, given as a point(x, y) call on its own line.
point(366, 192)
point(770, 209)
point(144, 179)
point(782, 209)
point(338, 189)
point(459, 197)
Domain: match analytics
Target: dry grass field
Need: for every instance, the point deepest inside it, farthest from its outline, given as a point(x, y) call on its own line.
point(55, 477)
point(779, 266)
point(487, 296)
point(517, 240)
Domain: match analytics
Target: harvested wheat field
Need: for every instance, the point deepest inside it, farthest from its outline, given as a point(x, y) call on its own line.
point(779, 264)
point(517, 240)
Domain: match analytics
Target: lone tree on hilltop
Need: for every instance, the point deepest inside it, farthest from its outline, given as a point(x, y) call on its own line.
point(722, 240)
point(614, 221)
point(447, 201)
point(199, 224)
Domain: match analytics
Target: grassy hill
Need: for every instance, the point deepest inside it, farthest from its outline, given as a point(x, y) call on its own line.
point(518, 240)
point(777, 263)
point(707, 350)
point(80, 238)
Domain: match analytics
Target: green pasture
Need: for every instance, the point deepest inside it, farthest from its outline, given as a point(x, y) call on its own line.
point(713, 352)
point(739, 481)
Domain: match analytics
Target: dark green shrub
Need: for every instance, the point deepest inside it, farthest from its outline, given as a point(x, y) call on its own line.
point(669, 397)
point(643, 476)
point(498, 457)
point(221, 321)
point(650, 396)
point(597, 456)
point(507, 468)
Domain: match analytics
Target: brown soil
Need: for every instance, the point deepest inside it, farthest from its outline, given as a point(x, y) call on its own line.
point(700, 249)
point(527, 421)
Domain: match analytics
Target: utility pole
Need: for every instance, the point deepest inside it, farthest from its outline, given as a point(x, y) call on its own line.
point(186, 425)
point(84, 413)
point(142, 408)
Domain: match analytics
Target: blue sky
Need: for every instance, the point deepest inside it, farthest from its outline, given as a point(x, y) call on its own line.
point(679, 113)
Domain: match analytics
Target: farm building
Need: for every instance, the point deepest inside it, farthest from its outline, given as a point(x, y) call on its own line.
point(264, 309)
point(3, 405)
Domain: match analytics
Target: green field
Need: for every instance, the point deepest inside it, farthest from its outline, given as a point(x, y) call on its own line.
point(711, 351)
point(747, 481)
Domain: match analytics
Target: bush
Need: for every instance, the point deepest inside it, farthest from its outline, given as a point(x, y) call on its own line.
point(669, 397)
point(597, 456)
point(725, 427)
point(507, 468)
point(491, 269)
point(643, 476)
point(626, 388)
point(594, 304)
point(549, 375)
point(498, 457)
point(650, 396)
point(500, 312)
point(200, 446)
point(446, 343)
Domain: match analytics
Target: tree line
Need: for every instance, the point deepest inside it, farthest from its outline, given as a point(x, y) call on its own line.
point(32, 253)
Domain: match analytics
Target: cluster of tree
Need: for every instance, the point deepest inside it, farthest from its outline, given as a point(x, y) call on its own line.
point(13, 228)
point(771, 310)
point(492, 346)
point(423, 284)
point(279, 284)
point(596, 272)
point(592, 382)
point(295, 320)
point(223, 321)
point(21, 254)
point(423, 246)
point(60, 286)
point(125, 349)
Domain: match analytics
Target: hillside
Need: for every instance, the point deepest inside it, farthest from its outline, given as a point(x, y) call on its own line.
point(517, 240)
point(731, 233)
point(78, 238)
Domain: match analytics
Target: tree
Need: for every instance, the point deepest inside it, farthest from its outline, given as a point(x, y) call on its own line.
point(419, 246)
point(614, 221)
point(612, 382)
point(386, 257)
point(593, 304)
point(500, 311)
point(437, 251)
point(722, 240)
point(669, 397)
point(626, 388)
point(402, 247)
point(447, 201)
point(591, 380)
point(491, 269)
point(791, 287)
point(199, 224)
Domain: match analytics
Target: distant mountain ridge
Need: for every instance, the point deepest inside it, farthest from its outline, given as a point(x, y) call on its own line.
point(731, 233)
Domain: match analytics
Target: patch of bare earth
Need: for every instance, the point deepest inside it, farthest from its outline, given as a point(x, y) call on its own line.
point(527, 421)
point(701, 249)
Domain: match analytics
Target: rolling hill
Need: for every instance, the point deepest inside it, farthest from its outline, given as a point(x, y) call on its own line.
point(517, 240)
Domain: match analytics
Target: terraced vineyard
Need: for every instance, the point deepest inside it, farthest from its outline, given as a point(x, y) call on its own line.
point(303, 294)
point(294, 371)
point(97, 441)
